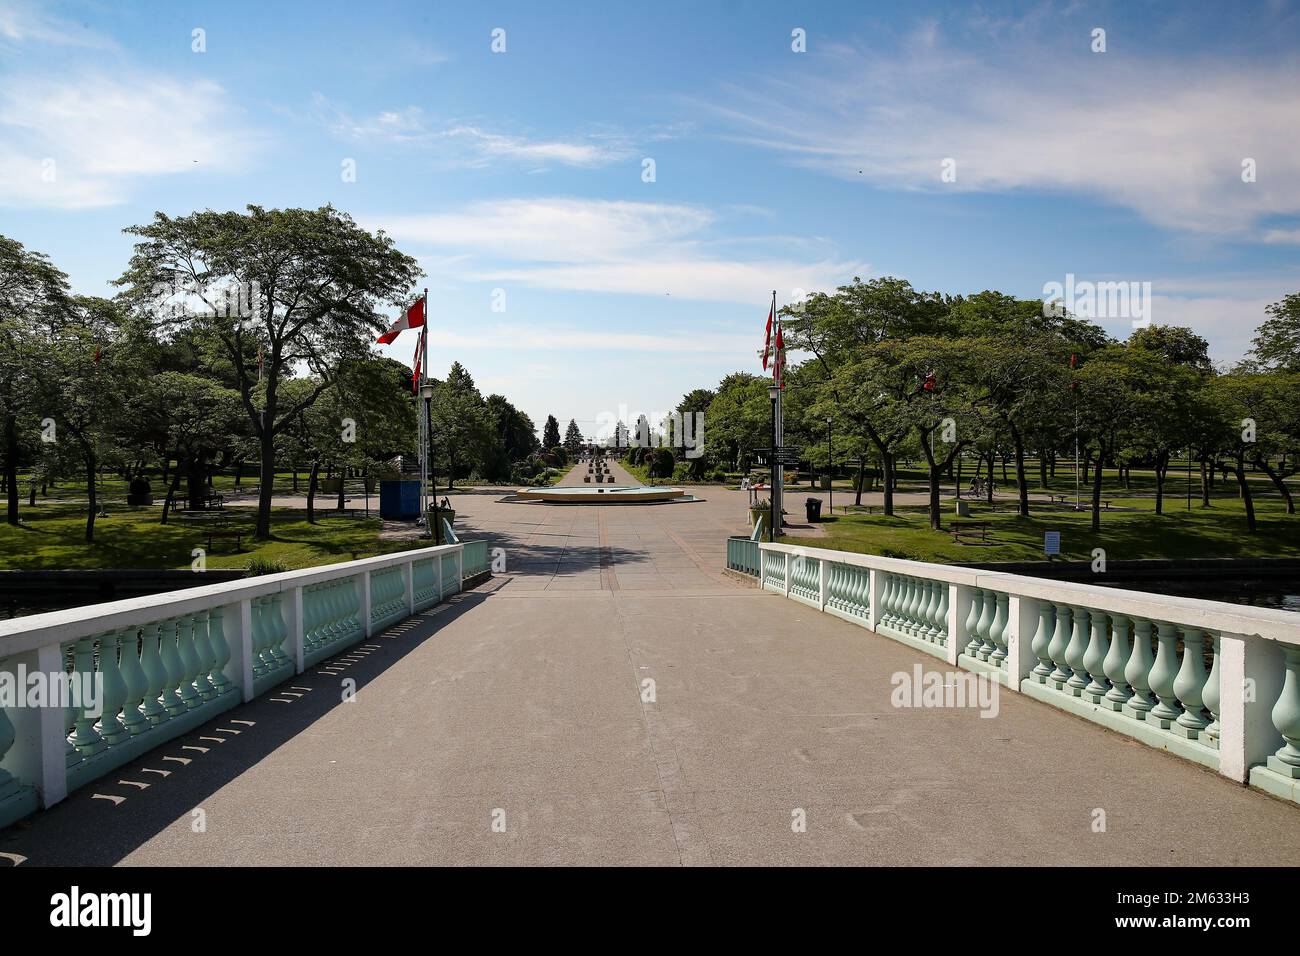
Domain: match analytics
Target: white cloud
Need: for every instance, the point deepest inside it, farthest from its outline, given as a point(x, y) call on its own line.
point(100, 134)
point(1166, 139)
point(615, 246)
point(468, 144)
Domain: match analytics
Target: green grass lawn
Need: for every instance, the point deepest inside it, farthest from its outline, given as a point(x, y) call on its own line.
point(1126, 535)
point(52, 537)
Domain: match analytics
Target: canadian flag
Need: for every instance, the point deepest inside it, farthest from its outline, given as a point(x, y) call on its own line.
point(413, 318)
point(767, 339)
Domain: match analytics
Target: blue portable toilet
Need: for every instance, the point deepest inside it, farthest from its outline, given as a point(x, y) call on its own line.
point(399, 500)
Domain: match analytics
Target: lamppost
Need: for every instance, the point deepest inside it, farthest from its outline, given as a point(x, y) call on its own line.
point(430, 528)
point(830, 469)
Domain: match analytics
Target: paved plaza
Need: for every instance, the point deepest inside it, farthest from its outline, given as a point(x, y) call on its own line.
point(614, 697)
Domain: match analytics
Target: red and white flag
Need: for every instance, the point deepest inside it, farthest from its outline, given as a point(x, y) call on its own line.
point(767, 338)
point(415, 365)
point(413, 318)
point(778, 362)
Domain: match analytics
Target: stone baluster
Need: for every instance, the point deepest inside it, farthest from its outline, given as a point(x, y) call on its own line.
point(204, 653)
point(998, 630)
point(1166, 710)
point(1116, 659)
point(1075, 651)
point(1041, 639)
point(972, 622)
point(1138, 671)
point(1189, 685)
point(941, 615)
point(110, 726)
point(85, 738)
point(220, 650)
point(1094, 658)
point(1056, 648)
point(169, 634)
point(985, 626)
point(137, 684)
point(155, 674)
point(68, 658)
point(1286, 718)
point(1210, 736)
point(186, 690)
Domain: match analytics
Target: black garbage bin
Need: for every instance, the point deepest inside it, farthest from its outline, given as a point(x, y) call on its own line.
point(813, 506)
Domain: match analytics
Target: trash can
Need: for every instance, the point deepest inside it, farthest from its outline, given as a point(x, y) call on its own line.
point(813, 506)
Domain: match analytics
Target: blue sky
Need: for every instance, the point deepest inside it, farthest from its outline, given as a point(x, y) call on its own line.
point(522, 171)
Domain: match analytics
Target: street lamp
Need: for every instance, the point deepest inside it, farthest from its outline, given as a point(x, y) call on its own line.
point(426, 393)
point(830, 472)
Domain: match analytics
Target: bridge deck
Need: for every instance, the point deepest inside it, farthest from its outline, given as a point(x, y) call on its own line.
point(525, 696)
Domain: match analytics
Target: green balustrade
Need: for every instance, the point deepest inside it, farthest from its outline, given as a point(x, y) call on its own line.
point(1094, 658)
point(1189, 685)
point(1286, 718)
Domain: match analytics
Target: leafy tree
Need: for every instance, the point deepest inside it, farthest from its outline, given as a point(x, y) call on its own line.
point(1277, 341)
point(34, 297)
point(279, 290)
point(462, 430)
point(1177, 345)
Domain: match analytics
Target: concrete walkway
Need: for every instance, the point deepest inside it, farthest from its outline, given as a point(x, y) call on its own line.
point(525, 704)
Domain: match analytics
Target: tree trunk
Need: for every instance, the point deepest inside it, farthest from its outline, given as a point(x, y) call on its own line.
point(1207, 475)
point(1244, 490)
point(862, 476)
point(262, 531)
point(1162, 468)
point(1096, 492)
point(311, 492)
point(1279, 483)
point(196, 484)
point(992, 457)
point(343, 483)
point(90, 494)
point(171, 494)
point(11, 466)
point(887, 474)
point(31, 493)
point(295, 479)
point(1042, 468)
point(1022, 485)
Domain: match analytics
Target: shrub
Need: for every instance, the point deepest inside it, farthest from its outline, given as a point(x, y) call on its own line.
point(258, 566)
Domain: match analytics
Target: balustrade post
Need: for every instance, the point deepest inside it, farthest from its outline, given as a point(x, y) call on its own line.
point(1022, 618)
point(53, 739)
point(1094, 659)
point(788, 564)
point(1286, 718)
point(876, 590)
point(1250, 682)
point(823, 586)
point(959, 605)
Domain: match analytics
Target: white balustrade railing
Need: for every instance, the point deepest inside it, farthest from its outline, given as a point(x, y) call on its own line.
point(167, 663)
point(1209, 681)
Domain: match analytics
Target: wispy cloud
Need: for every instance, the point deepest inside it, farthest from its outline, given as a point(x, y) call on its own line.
point(24, 24)
point(87, 138)
point(469, 144)
point(639, 248)
point(1166, 139)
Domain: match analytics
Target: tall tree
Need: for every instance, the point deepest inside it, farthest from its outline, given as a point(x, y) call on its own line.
point(550, 433)
point(572, 439)
point(279, 289)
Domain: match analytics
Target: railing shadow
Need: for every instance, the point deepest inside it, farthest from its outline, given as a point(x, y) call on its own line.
point(105, 821)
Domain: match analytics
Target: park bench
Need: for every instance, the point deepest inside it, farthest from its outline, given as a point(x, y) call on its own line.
point(964, 532)
point(226, 533)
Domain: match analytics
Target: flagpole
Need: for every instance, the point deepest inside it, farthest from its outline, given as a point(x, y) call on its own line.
point(778, 467)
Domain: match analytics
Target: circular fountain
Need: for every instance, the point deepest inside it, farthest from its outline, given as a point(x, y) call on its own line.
point(602, 495)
